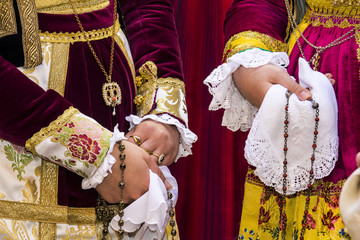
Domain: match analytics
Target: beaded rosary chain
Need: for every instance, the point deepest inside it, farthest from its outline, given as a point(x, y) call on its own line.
point(283, 217)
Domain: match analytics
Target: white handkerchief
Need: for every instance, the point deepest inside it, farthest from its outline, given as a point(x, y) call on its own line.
point(265, 143)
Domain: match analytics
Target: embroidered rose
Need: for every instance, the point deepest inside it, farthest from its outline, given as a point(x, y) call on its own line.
point(84, 148)
point(311, 223)
point(330, 219)
point(333, 201)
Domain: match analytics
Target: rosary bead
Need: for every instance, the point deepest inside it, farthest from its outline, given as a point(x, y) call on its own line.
point(286, 122)
point(286, 135)
point(172, 223)
point(317, 119)
point(122, 166)
point(173, 232)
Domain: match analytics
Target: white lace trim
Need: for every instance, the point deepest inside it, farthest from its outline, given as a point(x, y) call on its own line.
point(239, 113)
point(149, 214)
point(106, 165)
point(187, 137)
point(264, 146)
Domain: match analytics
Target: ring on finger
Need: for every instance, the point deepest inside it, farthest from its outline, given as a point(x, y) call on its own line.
point(160, 157)
point(137, 140)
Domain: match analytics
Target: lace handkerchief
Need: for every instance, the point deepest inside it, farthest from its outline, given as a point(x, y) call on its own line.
point(265, 143)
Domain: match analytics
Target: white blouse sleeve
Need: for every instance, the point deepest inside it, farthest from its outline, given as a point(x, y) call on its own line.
point(239, 113)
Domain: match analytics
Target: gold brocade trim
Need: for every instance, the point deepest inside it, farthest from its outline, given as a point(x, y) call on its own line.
point(147, 88)
point(30, 33)
point(49, 130)
point(121, 44)
point(72, 37)
point(47, 230)
point(320, 187)
point(337, 7)
point(250, 39)
point(58, 67)
point(50, 214)
point(174, 100)
point(330, 21)
point(7, 18)
point(61, 7)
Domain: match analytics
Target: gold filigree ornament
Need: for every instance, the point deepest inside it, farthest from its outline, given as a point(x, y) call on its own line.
point(112, 95)
point(111, 90)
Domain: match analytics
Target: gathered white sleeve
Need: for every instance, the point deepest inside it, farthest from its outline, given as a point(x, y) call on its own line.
point(239, 113)
point(106, 165)
point(187, 137)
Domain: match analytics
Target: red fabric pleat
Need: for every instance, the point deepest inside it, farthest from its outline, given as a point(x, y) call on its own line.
point(211, 180)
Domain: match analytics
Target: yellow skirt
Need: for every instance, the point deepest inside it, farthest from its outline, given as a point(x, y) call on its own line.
point(261, 212)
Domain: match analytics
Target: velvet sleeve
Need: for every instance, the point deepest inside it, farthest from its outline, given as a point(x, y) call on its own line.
point(255, 23)
point(25, 108)
point(154, 44)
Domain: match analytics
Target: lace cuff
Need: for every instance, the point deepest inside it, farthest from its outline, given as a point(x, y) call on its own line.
point(187, 137)
point(148, 215)
point(239, 113)
point(102, 171)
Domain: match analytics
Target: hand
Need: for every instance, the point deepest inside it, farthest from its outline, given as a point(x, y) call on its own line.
point(358, 159)
point(136, 175)
point(157, 138)
point(253, 83)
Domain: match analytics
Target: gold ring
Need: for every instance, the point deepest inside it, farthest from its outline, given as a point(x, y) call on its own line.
point(137, 140)
point(160, 157)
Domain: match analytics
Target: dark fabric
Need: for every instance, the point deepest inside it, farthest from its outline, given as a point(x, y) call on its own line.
point(211, 180)
point(25, 107)
point(152, 35)
point(11, 47)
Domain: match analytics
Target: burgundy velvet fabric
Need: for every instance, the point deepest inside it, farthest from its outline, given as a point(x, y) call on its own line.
point(25, 107)
point(244, 15)
point(67, 22)
point(152, 35)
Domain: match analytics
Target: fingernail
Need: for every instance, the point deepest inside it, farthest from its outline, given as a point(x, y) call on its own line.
point(304, 95)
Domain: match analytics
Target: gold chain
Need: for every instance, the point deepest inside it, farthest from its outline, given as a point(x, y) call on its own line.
point(314, 60)
point(111, 90)
point(108, 76)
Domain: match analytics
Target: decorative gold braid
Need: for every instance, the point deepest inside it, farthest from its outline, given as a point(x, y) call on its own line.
point(47, 214)
point(30, 33)
point(7, 18)
point(58, 67)
point(336, 7)
point(256, 39)
point(173, 82)
point(49, 130)
point(72, 37)
point(61, 7)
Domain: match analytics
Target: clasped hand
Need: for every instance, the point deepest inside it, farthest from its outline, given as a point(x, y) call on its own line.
point(156, 139)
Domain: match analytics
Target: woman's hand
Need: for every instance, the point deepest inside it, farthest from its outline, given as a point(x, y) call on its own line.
point(136, 175)
point(253, 83)
point(358, 159)
point(157, 139)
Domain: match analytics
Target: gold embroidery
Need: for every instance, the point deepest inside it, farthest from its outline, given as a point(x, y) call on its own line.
point(96, 34)
point(30, 192)
point(49, 130)
point(330, 21)
point(175, 97)
point(47, 213)
point(58, 67)
point(30, 33)
point(147, 90)
point(7, 18)
point(63, 7)
point(250, 39)
point(340, 7)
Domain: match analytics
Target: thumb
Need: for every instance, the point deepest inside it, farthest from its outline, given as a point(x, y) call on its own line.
point(301, 92)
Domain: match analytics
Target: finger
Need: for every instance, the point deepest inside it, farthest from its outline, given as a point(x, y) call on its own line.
point(151, 162)
point(301, 92)
point(358, 159)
